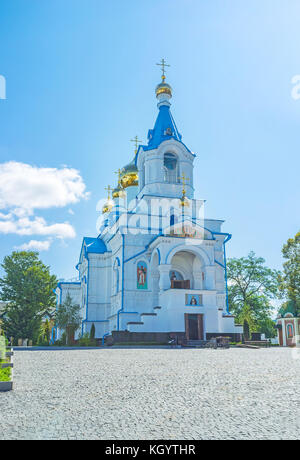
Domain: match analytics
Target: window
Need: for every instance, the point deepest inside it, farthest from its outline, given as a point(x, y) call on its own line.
point(116, 277)
point(173, 220)
point(170, 168)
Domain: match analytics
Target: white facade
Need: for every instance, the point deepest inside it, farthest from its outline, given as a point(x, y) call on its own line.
point(157, 264)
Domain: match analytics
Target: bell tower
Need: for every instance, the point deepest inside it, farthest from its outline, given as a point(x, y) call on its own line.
point(166, 159)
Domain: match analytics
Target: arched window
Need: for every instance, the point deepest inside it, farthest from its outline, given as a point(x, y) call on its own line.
point(173, 220)
point(171, 172)
point(116, 276)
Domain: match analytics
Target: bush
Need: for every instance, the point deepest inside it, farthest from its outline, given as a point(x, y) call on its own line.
point(5, 374)
point(86, 341)
point(62, 341)
point(93, 332)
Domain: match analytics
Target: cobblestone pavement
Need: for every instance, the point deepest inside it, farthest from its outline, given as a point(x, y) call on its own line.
point(153, 394)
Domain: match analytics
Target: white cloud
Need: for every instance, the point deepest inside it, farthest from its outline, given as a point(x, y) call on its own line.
point(37, 226)
point(27, 187)
point(35, 245)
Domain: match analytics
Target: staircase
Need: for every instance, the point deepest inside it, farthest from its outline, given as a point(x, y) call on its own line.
point(198, 344)
point(146, 320)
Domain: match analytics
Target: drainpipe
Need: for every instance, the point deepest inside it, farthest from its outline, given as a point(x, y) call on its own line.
point(87, 293)
point(225, 265)
point(103, 338)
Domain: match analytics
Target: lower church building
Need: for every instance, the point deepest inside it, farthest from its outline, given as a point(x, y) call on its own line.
point(157, 267)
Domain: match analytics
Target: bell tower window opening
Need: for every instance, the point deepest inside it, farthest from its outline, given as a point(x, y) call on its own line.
point(171, 172)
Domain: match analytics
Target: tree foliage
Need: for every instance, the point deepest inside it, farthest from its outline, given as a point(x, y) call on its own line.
point(251, 286)
point(68, 317)
point(92, 332)
point(27, 286)
point(290, 280)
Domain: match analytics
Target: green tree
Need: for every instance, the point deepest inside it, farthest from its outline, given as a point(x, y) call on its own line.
point(251, 286)
point(92, 332)
point(68, 318)
point(267, 327)
point(27, 286)
point(290, 280)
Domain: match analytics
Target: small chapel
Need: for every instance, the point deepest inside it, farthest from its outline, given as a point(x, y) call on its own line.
point(157, 268)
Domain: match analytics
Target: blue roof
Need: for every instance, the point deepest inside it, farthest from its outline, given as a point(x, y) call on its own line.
point(94, 245)
point(165, 128)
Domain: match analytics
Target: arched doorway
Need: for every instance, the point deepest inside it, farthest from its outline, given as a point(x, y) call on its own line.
point(187, 271)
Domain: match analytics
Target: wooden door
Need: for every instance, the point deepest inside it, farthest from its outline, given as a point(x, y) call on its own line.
point(194, 327)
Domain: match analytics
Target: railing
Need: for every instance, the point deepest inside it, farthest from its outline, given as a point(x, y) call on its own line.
point(182, 284)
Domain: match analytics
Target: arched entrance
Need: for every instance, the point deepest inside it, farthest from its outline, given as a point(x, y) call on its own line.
point(187, 271)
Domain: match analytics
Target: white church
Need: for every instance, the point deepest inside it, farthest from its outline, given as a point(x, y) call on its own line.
point(157, 269)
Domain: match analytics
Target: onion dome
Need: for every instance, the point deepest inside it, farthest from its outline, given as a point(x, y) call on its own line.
point(118, 192)
point(163, 88)
point(184, 201)
point(108, 206)
point(129, 175)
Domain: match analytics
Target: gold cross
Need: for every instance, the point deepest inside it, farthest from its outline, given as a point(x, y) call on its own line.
point(119, 172)
point(163, 66)
point(183, 179)
point(137, 142)
point(109, 189)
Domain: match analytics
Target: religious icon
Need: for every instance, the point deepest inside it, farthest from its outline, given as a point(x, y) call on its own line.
point(142, 276)
point(290, 332)
point(192, 300)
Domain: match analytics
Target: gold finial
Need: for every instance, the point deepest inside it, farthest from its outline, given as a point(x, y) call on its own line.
point(184, 180)
point(109, 189)
point(163, 66)
point(136, 142)
point(108, 206)
point(119, 172)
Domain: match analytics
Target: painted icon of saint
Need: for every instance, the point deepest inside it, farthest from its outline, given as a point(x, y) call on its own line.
point(141, 276)
point(193, 301)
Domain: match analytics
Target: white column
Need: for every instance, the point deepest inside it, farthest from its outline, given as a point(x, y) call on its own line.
point(197, 279)
point(283, 332)
point(210, 277)
point(155, 286)
point(164, 280)
point(296, 331)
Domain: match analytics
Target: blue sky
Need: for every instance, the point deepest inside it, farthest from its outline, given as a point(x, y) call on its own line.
point(80, 78)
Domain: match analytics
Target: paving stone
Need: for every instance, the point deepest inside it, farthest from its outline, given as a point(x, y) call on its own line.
point(153, 394)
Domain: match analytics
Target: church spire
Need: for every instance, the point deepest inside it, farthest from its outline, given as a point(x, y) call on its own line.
point(163, 91)
point(165, 127)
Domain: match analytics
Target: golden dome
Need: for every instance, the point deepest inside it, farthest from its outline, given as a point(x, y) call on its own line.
point(184, 202)
point(108, 206)
point(129, 175)
point(163, 88)
point(118, 192)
